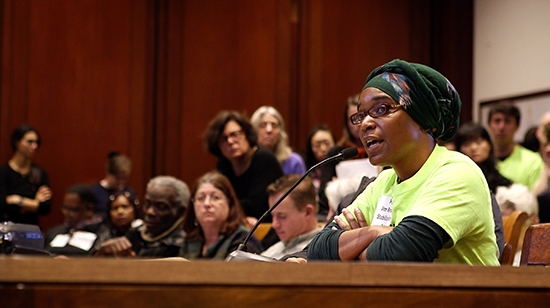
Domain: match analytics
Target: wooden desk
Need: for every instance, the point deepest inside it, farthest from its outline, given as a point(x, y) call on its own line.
point(44, 282)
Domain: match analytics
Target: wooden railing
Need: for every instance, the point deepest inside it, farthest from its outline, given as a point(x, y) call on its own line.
point(45, 282)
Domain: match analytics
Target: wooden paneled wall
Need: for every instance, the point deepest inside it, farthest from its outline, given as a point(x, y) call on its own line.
point(145, 77)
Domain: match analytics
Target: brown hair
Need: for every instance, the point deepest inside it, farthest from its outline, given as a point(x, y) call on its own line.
point(118, 163)
point(347, 138)
point(546, 132)
point(302, 195)
point(505, 107)
point(215, 130)
point(236, 215)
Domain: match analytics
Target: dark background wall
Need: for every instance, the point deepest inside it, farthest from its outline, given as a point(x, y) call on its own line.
point(145, 77)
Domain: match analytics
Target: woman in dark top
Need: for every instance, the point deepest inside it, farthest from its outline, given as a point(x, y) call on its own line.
point(214, 224)
point(24, 186)
point(250, 169)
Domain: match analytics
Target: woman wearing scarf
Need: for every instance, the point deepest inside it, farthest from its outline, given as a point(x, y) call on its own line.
point(433, 205)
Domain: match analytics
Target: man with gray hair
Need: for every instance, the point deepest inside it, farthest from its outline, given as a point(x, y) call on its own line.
point(161, 235)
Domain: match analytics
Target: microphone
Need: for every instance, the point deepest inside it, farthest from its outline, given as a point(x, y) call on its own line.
point(241, 253)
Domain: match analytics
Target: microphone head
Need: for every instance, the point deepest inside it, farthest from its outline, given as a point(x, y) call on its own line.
point(350, 152)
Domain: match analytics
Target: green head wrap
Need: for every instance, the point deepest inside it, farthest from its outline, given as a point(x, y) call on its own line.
point(426, 95)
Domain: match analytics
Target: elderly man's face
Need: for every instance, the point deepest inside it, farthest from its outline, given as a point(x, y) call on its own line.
point(160, 209)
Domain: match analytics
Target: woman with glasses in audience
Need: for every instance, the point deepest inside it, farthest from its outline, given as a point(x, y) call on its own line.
point(433, 205)
point(214, 223)
point(270, 125)
point(24, 187)
point(249, 168)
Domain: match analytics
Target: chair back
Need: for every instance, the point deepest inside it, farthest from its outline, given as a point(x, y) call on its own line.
point(512, 225)
point(262, 230)
point(506, 258)
point(536, 245)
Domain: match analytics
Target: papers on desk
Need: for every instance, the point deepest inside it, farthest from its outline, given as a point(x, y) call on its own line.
point(60, 240)
point(356, 167)
point(80, 239)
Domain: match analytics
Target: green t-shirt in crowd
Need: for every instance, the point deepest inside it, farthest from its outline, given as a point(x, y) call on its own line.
point(523, 166)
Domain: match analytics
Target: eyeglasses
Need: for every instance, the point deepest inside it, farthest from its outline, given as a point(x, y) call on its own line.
point(236, 135)
point(376, 111)
point(214, 198)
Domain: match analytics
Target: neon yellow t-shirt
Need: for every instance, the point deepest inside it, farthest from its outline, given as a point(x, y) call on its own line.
point(450, 190)
point(523, 166)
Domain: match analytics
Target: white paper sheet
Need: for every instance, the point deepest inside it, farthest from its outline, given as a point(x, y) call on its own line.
point(356, 167)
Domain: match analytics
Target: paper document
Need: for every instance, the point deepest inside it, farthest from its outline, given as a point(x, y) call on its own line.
point(356, 167)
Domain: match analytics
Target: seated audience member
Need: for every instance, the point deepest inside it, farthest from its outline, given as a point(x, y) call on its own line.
point(530, 140)
point(24, 186)
point(118, 168)
point(473, 140)
point(543, 196)
point(543, 134)
point(270, 125)
point(350, 138)
point(295, 218)
point(433, 205)
point(80, 230)
point(511, 199)
point(319, 141)
point(515, 162)
point(337, 190)
point(215, 223)
point(161, 235)
point(249, 168)
point(123, 210)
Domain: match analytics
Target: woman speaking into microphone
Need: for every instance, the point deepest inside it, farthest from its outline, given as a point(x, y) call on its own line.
point(432, 205)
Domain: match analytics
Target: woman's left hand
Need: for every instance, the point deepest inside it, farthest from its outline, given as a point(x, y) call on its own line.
point(43, 194)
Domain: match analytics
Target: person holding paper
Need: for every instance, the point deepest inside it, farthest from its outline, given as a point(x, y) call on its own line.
point(77, 235)
point(433, 205)
point(161, 235)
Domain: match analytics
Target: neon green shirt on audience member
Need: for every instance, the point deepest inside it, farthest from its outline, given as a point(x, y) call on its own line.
point(523, 166)
point(450, 190)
